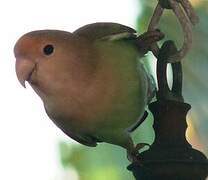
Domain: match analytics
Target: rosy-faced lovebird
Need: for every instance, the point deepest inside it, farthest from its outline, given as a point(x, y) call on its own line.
point(92, 81)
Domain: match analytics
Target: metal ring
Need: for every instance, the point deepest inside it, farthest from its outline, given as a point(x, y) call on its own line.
point(187, 31)
point(164, 92)
point(153, 25)
point(189, 11)
point(186, 26)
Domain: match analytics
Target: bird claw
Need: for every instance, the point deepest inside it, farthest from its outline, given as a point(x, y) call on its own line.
point(141, 146)
point(133, 156)
point(145, 40)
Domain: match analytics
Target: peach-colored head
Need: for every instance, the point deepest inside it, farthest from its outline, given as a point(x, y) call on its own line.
point(36, 49)
point(47, 57)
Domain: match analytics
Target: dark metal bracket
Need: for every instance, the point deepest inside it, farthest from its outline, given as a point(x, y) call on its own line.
point(170, 156)
point(168, 49)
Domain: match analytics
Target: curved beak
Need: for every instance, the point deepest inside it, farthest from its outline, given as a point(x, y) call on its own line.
point(24, 69)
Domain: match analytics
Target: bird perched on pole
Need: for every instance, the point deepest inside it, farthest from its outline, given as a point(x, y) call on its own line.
point(92, 82)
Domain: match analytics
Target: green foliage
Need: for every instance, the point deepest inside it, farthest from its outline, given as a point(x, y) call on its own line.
point(98, 163)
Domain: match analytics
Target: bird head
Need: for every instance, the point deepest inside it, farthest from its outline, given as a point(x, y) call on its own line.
point(48, 58)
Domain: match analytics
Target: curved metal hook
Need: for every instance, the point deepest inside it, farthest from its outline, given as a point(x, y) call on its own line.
point(184, 21)
point(153, 25)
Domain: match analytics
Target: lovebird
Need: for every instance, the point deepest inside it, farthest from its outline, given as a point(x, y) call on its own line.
point(92, 82)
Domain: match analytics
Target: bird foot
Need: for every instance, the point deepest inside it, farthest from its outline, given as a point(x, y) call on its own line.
point(145, 40)
point(133, 156)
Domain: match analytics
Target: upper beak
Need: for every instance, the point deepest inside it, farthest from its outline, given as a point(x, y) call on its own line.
point(24, 69)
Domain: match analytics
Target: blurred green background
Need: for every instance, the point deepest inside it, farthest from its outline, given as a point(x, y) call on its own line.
point(108, 161)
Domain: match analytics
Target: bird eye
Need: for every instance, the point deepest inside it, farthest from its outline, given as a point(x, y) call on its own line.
point(48, 49)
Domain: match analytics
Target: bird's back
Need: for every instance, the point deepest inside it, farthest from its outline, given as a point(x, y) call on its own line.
point(97, 31)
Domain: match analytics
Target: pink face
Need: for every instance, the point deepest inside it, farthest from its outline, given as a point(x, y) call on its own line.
point(47, 59)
